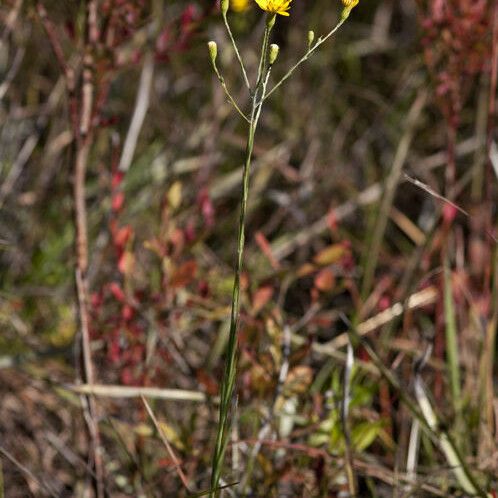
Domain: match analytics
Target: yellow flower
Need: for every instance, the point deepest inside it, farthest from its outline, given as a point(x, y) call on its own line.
point(275, 6)
point(350, 4)
point(239, 5)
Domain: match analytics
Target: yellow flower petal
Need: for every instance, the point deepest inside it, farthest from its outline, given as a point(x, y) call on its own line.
point(350, 3)
point(239, 5)
point(275, 6)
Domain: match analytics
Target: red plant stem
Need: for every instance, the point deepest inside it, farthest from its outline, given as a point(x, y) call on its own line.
point(84, 137)
point(81, 103)
point(64, 67)
point(451, 166)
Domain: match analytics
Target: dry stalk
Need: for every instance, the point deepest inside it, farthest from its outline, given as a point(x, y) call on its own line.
point(81, 104)
point(165, 441)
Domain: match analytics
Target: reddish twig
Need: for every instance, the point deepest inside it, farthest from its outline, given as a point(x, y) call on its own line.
point(81, 103)
point(64, 67)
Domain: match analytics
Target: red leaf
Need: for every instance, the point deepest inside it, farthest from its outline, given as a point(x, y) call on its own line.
point(116, 180)
point(184, 274)
point(384, 303)
point(117, 201)
point(190, 231)
point(332, 221)
point(261, 297)
point(449, 213)
point(207, 381)
point(113, 349)
point(206, 206)
point(125, 262)
point(127, 377)
point(265, 247)
point(117, 292)
point(325, 280)
point(127, 312)
point(122, 236)
point(163, 41)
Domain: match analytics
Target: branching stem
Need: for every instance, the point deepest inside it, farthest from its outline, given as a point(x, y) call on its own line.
point(228, 383)
point(307, 55)
point(237, 53)
point(258, 97)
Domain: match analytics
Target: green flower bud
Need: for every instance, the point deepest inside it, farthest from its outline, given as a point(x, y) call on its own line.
point(224, 6)
point(213, 50)
point(311, 37)
point(274, 50)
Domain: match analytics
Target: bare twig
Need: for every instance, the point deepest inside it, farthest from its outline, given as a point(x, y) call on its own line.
point(442, 198)
point(60, 57)
point(81, 103)
point(10, 21)
point(114, 391)
point(422, 298)
point(169, 449)
point(139, 113)
point(14, 67)
point(82, 146)
point(29, 474)
point(453, 457)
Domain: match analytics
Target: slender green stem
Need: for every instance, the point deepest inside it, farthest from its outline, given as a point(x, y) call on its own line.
point(227, 92)
point(451, 338)
point(306, 56)
point(228, 382)
point(257, 98)
point(237, 53)
point(270, 22)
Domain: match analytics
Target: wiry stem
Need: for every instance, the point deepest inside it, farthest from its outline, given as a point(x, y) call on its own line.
point(81, 106)
point(227, 92)
point(228, 383)
point(237, 53)
point(306, 56)
point(82, 144)
point(258, 96)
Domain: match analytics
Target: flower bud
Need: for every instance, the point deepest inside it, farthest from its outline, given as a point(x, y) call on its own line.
point(213, 50)
point(224, 6)
point(311, 37)
point(274, 50)
point(349, 5)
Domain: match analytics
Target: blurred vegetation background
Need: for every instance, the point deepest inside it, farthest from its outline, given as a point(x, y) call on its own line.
point(372, 210)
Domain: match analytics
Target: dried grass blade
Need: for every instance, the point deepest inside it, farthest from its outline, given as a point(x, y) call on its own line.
point(115, 391)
